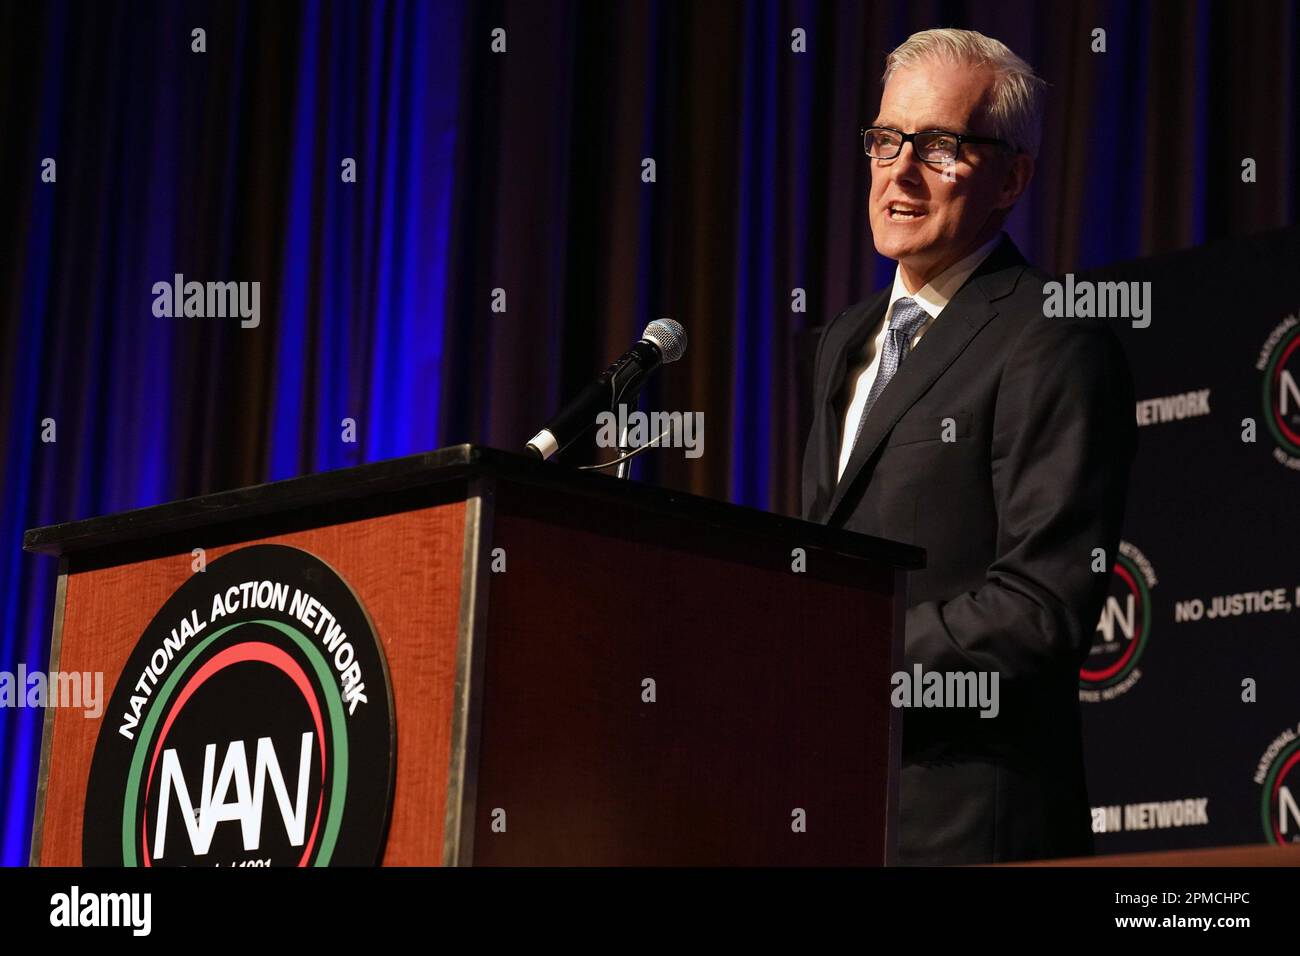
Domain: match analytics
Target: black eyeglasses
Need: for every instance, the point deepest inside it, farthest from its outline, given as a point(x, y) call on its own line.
point(932, 145)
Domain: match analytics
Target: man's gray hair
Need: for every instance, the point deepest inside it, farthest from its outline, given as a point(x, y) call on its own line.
point(1016, 104)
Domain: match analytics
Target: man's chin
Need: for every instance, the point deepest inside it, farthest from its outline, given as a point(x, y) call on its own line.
point(897, 247)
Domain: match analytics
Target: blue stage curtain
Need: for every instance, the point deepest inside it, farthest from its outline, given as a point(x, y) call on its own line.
point(523, 171)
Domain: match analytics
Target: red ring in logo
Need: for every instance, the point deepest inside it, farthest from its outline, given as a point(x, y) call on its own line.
point(1116, 667)
point(1277, 786)
point(250, 651)
point(1277, 384)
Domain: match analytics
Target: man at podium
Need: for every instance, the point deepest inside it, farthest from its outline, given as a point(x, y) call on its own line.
point(952, 413)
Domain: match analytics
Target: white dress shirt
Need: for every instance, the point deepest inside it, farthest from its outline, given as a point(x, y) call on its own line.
point(932, 297)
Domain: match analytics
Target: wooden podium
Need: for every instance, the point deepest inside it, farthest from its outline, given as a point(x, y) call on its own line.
point(618, 673)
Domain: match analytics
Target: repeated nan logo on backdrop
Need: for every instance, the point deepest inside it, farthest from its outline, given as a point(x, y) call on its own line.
point(1122, 631)
point(1279, 360)
point(1278, 777)
point(251, 726)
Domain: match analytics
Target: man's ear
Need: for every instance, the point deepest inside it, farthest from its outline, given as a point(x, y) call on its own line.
point(1020, 170)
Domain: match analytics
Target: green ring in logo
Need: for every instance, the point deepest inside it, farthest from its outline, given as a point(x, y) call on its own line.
point(1268, 397)
point(1144, 595)
point(338, 728)
point(1266, 802)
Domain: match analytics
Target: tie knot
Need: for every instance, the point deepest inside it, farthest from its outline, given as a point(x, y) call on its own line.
point(908, 317)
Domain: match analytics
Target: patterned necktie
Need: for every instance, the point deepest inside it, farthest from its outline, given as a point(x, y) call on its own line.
point(903, 324)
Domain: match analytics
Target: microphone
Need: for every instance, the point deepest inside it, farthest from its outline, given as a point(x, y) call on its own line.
point(663, 341)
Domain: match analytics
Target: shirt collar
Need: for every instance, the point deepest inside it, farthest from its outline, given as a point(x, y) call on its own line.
point(935, 294)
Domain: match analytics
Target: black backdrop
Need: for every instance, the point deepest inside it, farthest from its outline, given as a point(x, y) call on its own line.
point(1213, 515)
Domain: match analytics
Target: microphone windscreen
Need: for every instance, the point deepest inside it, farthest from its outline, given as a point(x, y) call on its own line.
point(668, 336)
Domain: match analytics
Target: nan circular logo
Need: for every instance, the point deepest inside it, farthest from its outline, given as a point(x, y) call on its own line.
point(1279, 360)
point(1278, 777)
point(252, 725)
point(1123, 629)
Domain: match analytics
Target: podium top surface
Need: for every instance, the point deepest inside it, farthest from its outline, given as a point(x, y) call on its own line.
point(456, 463)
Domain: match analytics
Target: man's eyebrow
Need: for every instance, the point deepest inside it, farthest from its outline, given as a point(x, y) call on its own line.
point(957, 128)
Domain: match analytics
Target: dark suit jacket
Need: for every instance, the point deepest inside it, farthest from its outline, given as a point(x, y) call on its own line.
point(1010, 514)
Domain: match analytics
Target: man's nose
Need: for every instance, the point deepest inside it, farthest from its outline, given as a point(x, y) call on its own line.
point(906, 166)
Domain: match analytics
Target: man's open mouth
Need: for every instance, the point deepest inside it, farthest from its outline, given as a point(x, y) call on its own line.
point(901, 212)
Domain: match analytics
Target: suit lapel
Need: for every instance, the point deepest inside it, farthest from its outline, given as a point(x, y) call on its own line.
point(828, 419)
point(968, 312)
